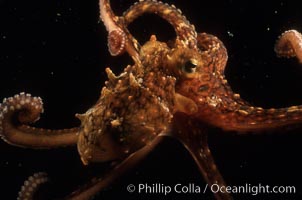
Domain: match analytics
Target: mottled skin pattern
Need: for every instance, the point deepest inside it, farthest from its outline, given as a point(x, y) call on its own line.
point(118, 122)
point(173, 89)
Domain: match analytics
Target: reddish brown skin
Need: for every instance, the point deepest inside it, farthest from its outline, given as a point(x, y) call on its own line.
point(176, 89)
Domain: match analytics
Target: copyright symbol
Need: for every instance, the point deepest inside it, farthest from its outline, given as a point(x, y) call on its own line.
point(131, 188)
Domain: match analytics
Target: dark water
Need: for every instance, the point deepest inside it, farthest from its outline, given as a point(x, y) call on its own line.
point(57, 50)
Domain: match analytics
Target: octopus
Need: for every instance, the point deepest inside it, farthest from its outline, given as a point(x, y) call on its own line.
point(173, 89)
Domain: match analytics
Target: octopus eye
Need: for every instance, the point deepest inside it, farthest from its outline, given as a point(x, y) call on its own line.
point(190, 66)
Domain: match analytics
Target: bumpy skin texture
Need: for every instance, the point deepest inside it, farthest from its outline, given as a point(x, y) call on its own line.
point(27, 110)
point(176, 90)
point(133, 109)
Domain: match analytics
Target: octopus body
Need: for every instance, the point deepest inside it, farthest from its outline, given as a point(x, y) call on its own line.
point(174, 89)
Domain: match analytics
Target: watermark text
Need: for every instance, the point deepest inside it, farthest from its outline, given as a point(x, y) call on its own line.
point(192, 188)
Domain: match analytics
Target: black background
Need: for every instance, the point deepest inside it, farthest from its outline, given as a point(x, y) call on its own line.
point(57, 49)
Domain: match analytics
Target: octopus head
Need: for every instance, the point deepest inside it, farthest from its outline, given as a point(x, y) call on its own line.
point(184, 63)
point(192, 76)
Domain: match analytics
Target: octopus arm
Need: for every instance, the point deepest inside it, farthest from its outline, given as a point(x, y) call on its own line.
point(230, 112)
point(119, 38)
point(22, 109)
point(289, 44)
point(213, 52)
point(194, 138)
point(31, 185)
point(185, 32)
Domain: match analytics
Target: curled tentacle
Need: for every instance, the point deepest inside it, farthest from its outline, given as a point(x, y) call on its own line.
point(116, 42)
point(116, 36)
point(185, 32)
point(213, 52)
point(31, 185)
point(119, 38)
point(289, 44)
point(23, 109)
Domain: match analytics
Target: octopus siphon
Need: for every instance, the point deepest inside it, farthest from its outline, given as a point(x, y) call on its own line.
point(173, 89)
